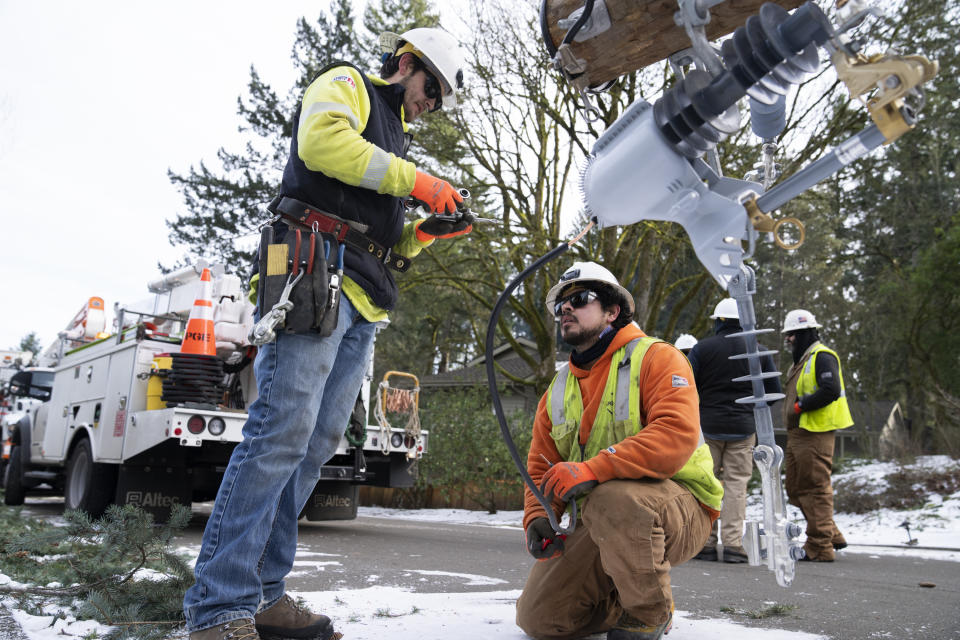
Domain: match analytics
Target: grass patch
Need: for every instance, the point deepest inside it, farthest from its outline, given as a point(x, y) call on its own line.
point(773, 611)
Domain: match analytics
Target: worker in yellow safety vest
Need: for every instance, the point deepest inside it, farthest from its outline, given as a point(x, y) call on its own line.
point(815, 407)
point(346, 179)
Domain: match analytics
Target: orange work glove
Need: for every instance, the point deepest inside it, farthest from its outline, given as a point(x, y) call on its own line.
point(430, 228)
point(566, 480)
point(542, 542)
point(439, 195)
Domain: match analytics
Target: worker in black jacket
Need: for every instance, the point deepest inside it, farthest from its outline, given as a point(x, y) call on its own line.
point(728, 428)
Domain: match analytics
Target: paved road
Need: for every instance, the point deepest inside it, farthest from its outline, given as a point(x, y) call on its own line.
point(857, 597)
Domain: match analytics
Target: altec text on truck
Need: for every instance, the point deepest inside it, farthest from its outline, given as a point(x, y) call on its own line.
point(129, 419)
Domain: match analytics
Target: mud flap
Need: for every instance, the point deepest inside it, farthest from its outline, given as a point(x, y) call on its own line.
point(155, 489)
point(332, 501)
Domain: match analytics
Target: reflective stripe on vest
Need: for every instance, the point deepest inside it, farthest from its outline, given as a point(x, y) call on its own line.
point(835, 415)
point(565, 407)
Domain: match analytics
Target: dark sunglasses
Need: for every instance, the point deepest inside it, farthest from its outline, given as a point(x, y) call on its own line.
point(576, 300)
point(431, 86)
point(432, 89)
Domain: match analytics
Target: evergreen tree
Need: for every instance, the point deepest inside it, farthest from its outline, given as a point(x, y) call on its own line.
point(117, 570)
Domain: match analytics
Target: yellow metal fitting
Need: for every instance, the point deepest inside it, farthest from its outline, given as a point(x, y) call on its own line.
point(763, 223)
point(892, 76)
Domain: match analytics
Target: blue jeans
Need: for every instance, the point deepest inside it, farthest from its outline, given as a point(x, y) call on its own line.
point(307, 389)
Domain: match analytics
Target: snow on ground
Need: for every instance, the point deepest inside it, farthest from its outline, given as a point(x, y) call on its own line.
point(54, 624)
point(935, 527)
point(403, 615)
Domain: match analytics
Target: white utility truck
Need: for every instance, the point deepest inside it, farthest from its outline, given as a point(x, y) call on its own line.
point(108, 435)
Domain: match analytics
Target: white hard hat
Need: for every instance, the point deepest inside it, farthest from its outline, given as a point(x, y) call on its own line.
point(685, 341)
point(438, 50)
point(799, 319)
point(726, 308)
point(588, 272)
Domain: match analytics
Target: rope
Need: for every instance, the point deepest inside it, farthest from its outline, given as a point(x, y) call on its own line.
point(398, 401)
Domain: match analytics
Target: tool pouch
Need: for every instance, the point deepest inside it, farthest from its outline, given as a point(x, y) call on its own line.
point(298, 251)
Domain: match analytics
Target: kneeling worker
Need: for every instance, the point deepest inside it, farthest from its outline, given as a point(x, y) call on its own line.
point(644, 477)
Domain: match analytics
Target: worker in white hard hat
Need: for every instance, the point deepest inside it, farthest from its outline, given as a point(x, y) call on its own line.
point(728, 427)
point(815, 407)
point(617, 431)
point(346, 178)
point(685, 342)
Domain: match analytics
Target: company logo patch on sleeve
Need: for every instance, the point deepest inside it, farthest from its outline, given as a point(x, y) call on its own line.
point(680, 381)
point(610, 450)
point(346, 79)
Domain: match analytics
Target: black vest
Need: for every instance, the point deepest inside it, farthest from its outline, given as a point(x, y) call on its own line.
point(382, 213)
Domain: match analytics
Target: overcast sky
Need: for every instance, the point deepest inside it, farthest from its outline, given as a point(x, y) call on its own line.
point(97, 101)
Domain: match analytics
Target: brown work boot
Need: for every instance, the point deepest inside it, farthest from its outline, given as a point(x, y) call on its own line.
point(234, 630)
point(838, 542)
point(288, 620)
point(629, 628)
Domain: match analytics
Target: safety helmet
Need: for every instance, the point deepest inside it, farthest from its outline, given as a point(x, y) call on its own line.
point(685, 341)
point(437, 49)
point(726, 308)
point(799, 319)
point(588, 272)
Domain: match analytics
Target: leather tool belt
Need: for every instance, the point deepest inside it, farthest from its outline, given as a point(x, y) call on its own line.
point(302, 270)
point(307, 217)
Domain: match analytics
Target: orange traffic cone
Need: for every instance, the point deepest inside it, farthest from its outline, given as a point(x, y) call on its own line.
point(198, 338)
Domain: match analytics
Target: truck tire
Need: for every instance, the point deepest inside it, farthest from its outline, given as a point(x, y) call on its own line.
point(13, 489)
point(89, 485)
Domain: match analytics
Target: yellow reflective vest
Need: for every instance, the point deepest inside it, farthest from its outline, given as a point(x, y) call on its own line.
point(619, 418)
point(835, 415)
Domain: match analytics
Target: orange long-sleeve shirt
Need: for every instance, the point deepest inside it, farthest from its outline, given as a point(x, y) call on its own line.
point(669, 409)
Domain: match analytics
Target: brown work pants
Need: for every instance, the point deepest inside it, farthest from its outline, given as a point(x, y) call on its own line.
point(809, 462)
point(617, 559)
point(733, 465)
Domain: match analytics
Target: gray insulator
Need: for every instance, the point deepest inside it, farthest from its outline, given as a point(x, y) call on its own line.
point(763, 58)
point(768, 120)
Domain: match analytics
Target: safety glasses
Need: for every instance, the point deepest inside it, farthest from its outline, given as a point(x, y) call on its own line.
point(577, 300)
point(432, 89)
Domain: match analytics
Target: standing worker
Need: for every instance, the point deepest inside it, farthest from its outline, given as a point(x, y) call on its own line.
point(685, 342)
point(728, 428)
point(815, 407)
point(618, 431)
point(346, 159)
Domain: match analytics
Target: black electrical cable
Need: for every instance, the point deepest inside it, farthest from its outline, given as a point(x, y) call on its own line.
point(545, 31)
point(571, 33)
point(495, 395)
